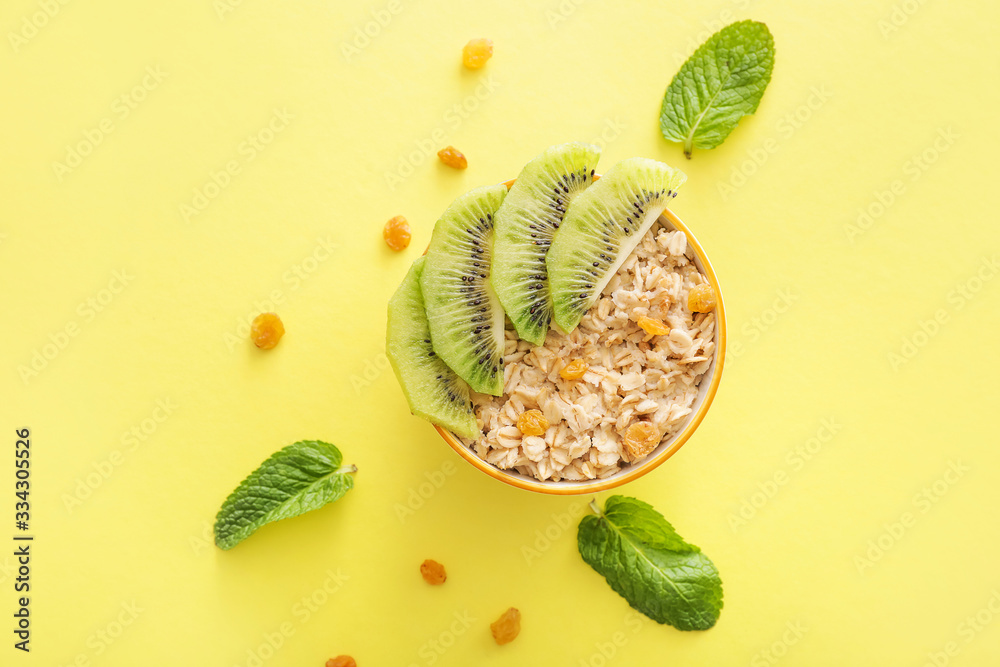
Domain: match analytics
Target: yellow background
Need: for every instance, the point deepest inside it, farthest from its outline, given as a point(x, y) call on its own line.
point(863, 95)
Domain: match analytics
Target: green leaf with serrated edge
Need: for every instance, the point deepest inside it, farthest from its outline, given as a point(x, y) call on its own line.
point(719, 84)
point(646, 562)
point(294, 480)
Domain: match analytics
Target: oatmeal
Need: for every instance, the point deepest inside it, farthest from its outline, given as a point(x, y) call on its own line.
point(613, 389)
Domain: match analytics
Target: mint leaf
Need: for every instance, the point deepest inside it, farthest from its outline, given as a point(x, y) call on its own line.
point(719, 84)
point(294, 480)
point(646, 562)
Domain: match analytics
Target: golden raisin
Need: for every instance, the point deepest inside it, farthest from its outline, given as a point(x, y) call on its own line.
point(701, 298)
point(453, 158)
point(652, 326)
point(266, 330)
point(640, 439)
point(574, 370)
point(507, 627)
point(532, 422)
point(341, 661)
point(477, 52)
point(433, 572)
point(397, 233)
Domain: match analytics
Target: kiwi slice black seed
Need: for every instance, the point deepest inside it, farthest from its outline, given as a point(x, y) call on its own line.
point(466, 318)
point(525, 223)
point(601, 228)
point(433, 390)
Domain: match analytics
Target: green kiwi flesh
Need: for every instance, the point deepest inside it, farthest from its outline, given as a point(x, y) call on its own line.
point(432, 389)
point(465, 317)
point(602, 227)
point(525, 223)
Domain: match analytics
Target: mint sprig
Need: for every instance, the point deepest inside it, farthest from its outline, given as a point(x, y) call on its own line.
point(646, 562)
point(297, 479)
point(720, 83)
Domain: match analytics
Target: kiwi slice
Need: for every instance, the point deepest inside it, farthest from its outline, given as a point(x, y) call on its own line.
point(465, 316)
point(525, 223)
point(433, 390)
point(602, 227)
